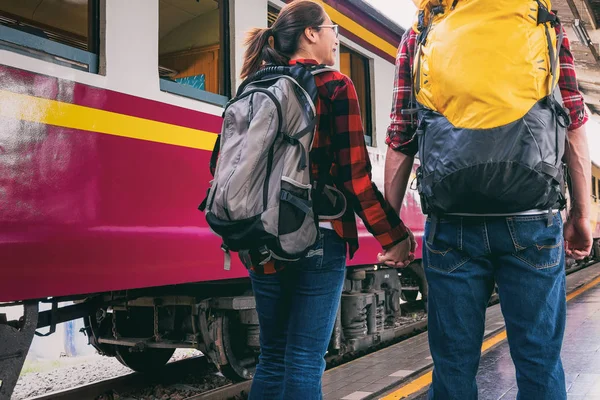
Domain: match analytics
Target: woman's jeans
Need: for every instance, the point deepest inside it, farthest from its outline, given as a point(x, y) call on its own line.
point(297, 309)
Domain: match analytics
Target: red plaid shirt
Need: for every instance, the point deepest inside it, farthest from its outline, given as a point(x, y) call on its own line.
point(340, 138)
point(401, 132)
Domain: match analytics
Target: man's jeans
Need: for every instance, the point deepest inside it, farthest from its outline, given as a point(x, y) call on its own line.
point(525, 258)
point(297, 308)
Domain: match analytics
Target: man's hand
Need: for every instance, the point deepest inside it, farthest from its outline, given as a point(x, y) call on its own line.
point(577, 229)
point(578, 237)
point(401, 255)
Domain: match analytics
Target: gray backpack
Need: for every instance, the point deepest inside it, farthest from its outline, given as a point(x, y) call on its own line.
point(261, 199)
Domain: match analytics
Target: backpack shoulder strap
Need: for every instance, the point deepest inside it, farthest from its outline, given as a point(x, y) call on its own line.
point(322, 68)
point(266, 72)
point(546, 17)
point(212, 164)
point(215, 155)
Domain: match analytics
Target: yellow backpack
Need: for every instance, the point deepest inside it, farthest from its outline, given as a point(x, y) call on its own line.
point(491, 121)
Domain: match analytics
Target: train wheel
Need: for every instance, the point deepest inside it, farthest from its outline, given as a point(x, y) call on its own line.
point(241, 358)
point(137, 322)
point(410, 295)
point(148, 360)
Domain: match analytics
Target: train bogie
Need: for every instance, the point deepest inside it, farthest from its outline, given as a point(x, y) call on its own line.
point(143, 328)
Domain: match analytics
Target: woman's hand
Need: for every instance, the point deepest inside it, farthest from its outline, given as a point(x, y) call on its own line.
point(401, 255)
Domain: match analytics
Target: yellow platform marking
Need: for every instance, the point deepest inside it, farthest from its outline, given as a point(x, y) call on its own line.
point(359, 30)
point(424, 380)
point(582, 289)
point(494, 340)
point(412, 387)
point(53, 112)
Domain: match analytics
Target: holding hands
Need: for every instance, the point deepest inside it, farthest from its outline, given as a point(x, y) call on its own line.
point(401, 255)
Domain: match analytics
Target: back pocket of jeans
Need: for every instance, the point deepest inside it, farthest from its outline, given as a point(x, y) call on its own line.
point(445, 252)
point(536, 243)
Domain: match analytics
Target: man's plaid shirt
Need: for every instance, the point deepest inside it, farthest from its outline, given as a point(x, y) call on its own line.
point(401, 132)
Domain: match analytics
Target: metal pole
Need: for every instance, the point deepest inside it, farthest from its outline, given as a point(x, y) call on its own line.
point(576, 15)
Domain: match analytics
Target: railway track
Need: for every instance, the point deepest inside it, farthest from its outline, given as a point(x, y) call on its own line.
point(234, 391)
point(171, 374)
point(168, 375)
point(241, 389)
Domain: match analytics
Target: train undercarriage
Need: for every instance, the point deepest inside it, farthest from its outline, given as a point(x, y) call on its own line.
point(143, 327)
point(143, 331)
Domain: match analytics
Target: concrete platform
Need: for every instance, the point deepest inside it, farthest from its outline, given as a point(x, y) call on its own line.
point(377, 374)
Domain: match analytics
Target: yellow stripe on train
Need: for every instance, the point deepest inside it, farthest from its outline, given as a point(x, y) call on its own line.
point(359, 30)
point(57, 113)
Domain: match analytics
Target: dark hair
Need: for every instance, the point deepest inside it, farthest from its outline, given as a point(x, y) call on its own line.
point(293, 19)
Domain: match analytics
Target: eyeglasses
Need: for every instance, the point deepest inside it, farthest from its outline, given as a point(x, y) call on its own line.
point(334, 27)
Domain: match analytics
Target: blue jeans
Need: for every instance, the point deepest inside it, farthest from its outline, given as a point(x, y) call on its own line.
point(525, 257)
point(297, 309)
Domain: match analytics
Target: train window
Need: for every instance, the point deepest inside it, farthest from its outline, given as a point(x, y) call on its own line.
point(357, 67)
point(193, 49)
point(64, 32)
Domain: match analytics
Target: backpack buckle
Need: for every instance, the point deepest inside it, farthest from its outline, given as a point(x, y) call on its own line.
point(544, 15)
point(409, 111)
point(227, 262)
point(562, 201)
point(265, 255)
point(259, 256)
point(549, 218)
point(436, 10)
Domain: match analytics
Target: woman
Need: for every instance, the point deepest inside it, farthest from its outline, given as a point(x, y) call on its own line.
point(297, 302)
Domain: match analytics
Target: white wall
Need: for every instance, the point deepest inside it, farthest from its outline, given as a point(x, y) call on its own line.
point(132, 46)
point(247, 14)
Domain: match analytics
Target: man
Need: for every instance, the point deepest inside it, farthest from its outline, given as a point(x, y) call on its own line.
point(493, 223)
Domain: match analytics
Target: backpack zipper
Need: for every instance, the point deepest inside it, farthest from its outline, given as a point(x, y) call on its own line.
point(268, 176)
point(226, 195)
point(271, 149)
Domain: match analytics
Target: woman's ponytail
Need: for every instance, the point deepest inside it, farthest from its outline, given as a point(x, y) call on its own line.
point(256, 41)
point(277, 44)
